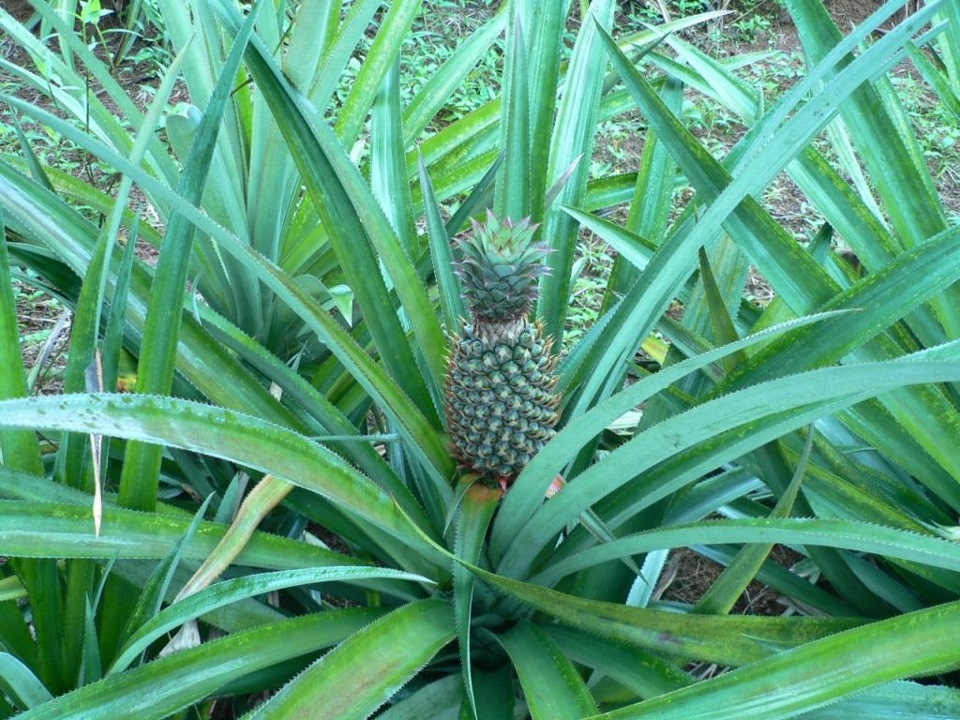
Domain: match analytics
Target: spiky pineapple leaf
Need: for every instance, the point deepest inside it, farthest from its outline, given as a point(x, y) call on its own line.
point(221, 433)
point(441, 699)
point(477, 508)
point(528, 492)
point(364, 671)
point(230, 591)
point(20, 684)
point(817, 673)
point(722, 639)
point(645, 673)
point(930, 550)
point(551, 684)
point(168, 684)
point(140, 476)
point(19, 448)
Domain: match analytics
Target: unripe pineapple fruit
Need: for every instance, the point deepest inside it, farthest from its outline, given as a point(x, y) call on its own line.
point(500, 398)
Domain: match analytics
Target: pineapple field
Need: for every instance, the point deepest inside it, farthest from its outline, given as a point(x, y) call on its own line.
point(473, 359)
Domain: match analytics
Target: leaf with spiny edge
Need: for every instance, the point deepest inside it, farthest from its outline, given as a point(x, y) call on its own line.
point(479, 504)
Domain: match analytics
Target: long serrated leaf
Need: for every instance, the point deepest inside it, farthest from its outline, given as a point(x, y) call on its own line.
point(36, 170)
point(481, 196)
point(451, 301)
point(244, 439)
point(726, 87)
point(724, 639)
point(162, 687)
point(528, 492)
point(18, 448)
point(801, 397)
point(513, 186)
point(817, 673)
point(342, 39)
point(141, 467)
point(631, 247)
point(310, 34)
point(363, 672)
point(381, 56)
point(848, 534)
point(572, 139)
point(545, 26)
point(440, 85)
point(21, 685)
point(722, 324)
point(477, 508)
point(230, 591)
point(112, 348)
point(78, 455)
point(939, 81)
point(91, 664)
point(388, 167)
point(551, 685)
point(644, 673)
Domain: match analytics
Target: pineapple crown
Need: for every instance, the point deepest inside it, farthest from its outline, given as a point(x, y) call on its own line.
point(498, 269)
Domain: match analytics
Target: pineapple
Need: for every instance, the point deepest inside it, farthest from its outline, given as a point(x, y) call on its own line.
point(500, 398)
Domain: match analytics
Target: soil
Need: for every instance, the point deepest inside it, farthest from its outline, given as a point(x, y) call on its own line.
point(689, 575)
point(20, 9)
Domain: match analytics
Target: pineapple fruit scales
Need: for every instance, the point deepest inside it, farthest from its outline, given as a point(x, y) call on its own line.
point(500, 398)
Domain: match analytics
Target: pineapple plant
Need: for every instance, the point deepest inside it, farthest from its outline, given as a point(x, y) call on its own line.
point(500, 396)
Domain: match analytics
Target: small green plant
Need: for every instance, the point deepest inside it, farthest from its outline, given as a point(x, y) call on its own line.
point(90, 14)
point(591, 276)
point(144, 47)
point(751, 28)
point(655, 13)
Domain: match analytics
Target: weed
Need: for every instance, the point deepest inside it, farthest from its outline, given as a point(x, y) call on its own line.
point(591, 274)
point(936, 128)
point(36, 310)
point(90, 13)
point(650, 14)
point(434, 38)
point(750, 28)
